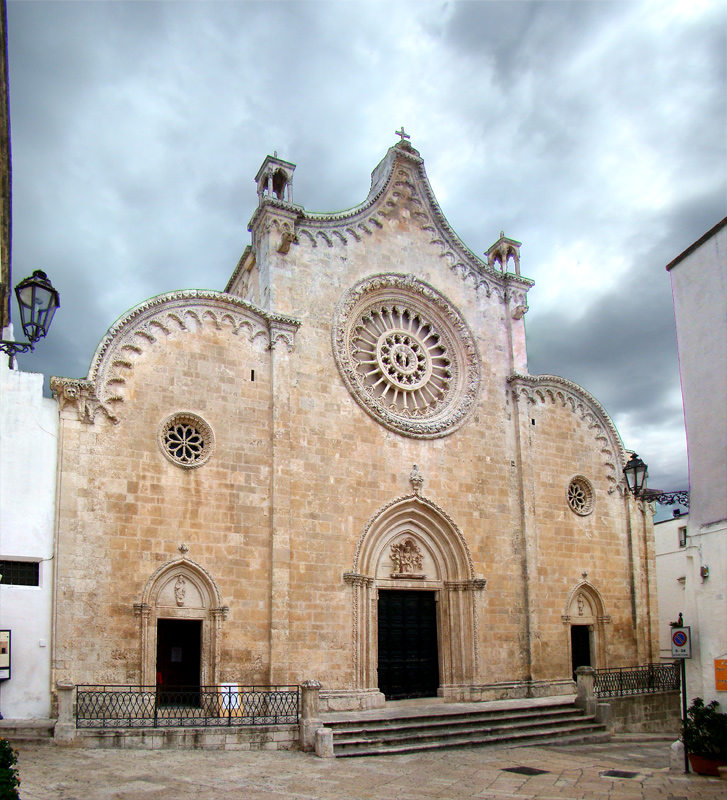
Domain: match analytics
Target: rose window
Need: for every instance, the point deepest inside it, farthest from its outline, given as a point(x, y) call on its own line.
point(406, 355)
point(186, 440)
point(580, 496)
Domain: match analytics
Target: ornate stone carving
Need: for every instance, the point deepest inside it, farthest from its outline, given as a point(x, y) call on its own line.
point(401, 180)
point(416, 479)
point(180, 590)
point(580, 496)
point(407, 558)
point(186, 440)
point(406, 355)
point(81, 396)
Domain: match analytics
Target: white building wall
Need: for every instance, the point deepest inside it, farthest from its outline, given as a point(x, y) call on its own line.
point(28, 455)
point(671, 570)
point(699, 286)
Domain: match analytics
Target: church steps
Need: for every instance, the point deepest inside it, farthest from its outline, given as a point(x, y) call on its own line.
point(453, 728)
point(585, 733)
point(493, 719)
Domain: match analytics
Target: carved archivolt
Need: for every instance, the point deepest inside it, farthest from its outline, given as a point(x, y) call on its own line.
point(429, 523)
point(167, 315)
point(559, 391)
point(411, 543)
point(585, 606)
point(181, 589)
point(406, 355)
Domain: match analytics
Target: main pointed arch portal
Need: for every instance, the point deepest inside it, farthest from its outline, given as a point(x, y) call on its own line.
point(409, 547)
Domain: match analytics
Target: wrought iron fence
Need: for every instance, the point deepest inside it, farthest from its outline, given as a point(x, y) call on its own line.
point(185, 707)
point(645, 679)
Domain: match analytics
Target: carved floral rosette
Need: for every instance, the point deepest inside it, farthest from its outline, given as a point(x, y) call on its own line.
point(406, 355)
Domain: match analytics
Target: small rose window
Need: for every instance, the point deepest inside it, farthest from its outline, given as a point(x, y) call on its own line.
point(186, 440)
point(580, 495)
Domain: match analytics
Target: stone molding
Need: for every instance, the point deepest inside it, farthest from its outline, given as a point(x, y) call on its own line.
point(596, 621)
point(162, 316)
point(401, 294)
point(458, 590)
point(183, 565)
point(209, 610)
point(542, 388)
point(427, 509)
point(399, 179)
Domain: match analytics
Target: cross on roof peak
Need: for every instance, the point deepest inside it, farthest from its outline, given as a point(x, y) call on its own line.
point(402, 134)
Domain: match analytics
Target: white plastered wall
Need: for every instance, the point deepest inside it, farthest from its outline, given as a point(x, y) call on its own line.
point(28, 454)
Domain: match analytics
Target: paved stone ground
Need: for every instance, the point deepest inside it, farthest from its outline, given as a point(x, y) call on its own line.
point(572, 772)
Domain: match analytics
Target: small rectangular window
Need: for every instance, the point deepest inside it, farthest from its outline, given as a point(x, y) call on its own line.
point(20, 573)
point(252, 374)
point(682, 537)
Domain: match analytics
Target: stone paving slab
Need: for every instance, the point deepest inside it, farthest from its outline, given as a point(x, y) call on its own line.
point(575, 772)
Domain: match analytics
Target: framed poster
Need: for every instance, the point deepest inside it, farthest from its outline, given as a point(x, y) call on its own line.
point(4, 655)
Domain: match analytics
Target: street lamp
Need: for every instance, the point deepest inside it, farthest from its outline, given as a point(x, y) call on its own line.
point(636, 472)
point(37, 301)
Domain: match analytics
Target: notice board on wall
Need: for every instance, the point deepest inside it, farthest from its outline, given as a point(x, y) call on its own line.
point(4, 655)
point(720, 673)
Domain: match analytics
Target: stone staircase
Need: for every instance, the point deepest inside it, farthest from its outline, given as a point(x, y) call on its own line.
point(425, 725)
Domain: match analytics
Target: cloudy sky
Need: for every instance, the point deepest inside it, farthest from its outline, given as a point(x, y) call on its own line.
point(593, 132)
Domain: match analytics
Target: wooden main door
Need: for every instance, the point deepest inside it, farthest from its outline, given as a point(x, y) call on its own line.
point(408, 653)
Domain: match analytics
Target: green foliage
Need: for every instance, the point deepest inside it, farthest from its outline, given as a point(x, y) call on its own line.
point(704, 732)
point(9, 780)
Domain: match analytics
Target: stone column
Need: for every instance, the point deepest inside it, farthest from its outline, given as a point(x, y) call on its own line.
point(309, 714)
point(586, 695)
point(64, 732)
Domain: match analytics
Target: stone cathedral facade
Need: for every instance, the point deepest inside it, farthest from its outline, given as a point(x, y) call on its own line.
point(339, 468)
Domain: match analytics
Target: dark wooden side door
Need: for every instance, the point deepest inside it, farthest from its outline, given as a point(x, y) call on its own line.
point(580, 640)
point(408, 654)
point(179, 643)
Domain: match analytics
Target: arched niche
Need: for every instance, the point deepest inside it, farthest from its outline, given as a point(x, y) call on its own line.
point(411, 544)
point(182, 590)
point(585, 607)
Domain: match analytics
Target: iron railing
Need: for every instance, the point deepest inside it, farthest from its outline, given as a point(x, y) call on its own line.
point(646, 679)
point(182, 707)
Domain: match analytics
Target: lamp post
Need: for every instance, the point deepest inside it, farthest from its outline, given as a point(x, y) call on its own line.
point(37, 301)
point(636, 472)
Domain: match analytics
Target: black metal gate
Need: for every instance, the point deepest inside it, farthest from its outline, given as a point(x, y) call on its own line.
point(408, 653)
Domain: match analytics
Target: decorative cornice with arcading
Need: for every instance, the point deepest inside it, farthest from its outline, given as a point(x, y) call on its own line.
point(401, 176)
point(81, 396)
point(131, 335)
point(539, 388)
point(429, 505)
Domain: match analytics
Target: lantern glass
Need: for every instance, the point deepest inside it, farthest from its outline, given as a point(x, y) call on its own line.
point(636, 473)
point(37, 301)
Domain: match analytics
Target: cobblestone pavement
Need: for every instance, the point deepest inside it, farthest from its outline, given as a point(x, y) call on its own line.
point(573, 772)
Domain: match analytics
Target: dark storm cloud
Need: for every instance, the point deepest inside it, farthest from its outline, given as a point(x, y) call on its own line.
point(591, 131)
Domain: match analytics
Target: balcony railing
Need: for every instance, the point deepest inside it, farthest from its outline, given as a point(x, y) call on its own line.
point(646, 679)
point(185, 707)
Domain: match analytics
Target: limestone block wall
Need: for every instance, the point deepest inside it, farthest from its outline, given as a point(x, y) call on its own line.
point(502, 483)
point(286, 536)
point(125, 509)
